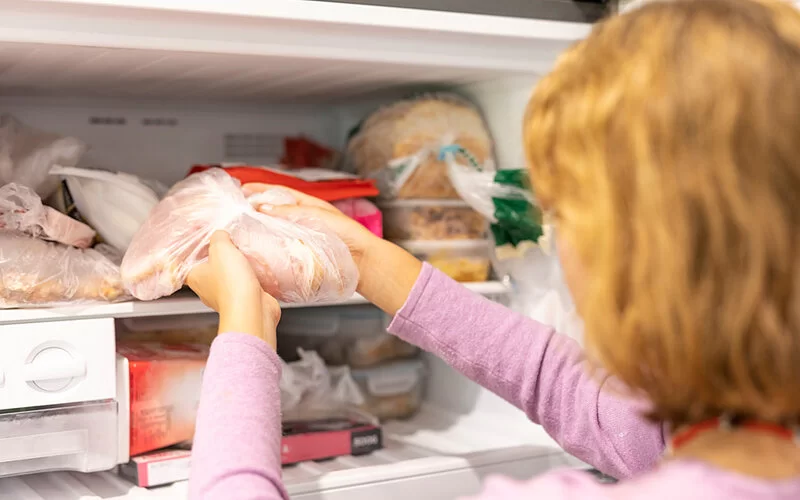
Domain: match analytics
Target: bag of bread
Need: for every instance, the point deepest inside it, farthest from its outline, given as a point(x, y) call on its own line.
point(22, 210)
point(35, 273)
point(296, 261)
point(399, 145)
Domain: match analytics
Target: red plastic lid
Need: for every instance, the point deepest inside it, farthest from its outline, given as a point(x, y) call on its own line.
point(331, 190)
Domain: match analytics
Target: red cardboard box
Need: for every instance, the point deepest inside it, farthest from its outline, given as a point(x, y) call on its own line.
point(328, 438)
point(158, 468)
point(165, 382)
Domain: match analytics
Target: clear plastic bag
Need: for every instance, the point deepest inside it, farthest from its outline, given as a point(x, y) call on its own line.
point(27, 154)
point(297, 261)
point(540, 291)
point(504, 198)
point(35, 273)
point(309, 389)
point(398, 145)
point(22, 210)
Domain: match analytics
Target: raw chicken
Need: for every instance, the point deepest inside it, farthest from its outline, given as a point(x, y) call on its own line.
point(295, 261)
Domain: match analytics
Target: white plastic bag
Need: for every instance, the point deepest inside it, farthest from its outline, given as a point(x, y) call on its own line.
point(27, 154)
point(116, 204)
point(539, 290)
point(35, 273)
point(22, 210)
point(310, 389)
point(296, 261)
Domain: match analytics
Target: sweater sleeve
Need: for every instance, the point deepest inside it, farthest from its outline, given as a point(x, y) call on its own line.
point(236, 449)
point(534, 368)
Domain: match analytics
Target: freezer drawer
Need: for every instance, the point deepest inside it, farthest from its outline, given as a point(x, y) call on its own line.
point(59, 362)
point(80, 437)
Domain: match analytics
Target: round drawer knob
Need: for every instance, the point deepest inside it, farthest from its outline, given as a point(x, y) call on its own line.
point(53, 369)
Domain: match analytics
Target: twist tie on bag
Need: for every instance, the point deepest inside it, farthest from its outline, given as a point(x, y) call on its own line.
point(455, 149)
point(390, 180)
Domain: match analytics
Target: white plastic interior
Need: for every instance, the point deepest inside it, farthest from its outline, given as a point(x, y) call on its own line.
point(207, 71)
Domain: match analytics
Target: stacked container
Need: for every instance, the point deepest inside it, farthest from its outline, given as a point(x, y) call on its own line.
point(401, 147)
point(387, 369)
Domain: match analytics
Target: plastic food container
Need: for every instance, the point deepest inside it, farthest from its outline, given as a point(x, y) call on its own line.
point(343, 335)
point(465, 261)
point(77, 437)
point(393, 390)
point(431, 220)
point(192, 329)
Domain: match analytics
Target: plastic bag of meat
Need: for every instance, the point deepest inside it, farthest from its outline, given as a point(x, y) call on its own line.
point(36, 273)
point(22, 210)
point(297, 261)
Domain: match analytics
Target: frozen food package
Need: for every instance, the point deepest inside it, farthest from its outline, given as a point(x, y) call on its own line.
point(394, 390)
point(35, 273)
point(22, 210)
point(27, 154)
point(399, 145)
point(296, 261)
point(164, 382)
point(366, 351)
point(432, 220)
point(466, 261)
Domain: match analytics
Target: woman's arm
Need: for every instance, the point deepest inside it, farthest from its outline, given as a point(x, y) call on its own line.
point(523, 361)
point(534, 368)
point(236, 449)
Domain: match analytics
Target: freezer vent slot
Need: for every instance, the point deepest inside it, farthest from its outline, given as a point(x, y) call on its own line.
point(261, 146)
point(107, 120)
point(160, 122)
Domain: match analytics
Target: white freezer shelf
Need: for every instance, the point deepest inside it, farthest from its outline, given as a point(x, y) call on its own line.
point(178, 304)
point(435, 454)
point(260, 51)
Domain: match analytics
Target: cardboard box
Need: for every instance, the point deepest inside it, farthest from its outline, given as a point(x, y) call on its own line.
point(165, 382)
point(158, 468)
point(328, 438)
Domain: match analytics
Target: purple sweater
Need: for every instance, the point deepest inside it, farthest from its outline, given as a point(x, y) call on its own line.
point(236, 452)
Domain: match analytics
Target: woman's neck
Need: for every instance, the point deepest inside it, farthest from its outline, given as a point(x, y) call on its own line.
point(745, 452)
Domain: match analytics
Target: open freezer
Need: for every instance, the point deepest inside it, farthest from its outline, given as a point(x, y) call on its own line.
point(157, 86)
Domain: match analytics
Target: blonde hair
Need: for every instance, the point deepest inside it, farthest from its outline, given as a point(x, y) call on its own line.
point(667, 144)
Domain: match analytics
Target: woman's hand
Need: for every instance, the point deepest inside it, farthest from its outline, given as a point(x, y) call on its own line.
point(227, 284)
point(357, 238)
point(386, 272)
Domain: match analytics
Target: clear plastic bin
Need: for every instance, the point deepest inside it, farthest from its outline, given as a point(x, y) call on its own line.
point(77, 437)
point(192, 328)
point(342, 335)
point(466, 261)
point(431, 220)
point(394, 390)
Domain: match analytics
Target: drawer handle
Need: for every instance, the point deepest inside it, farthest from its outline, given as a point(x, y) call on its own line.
point(53, 363)
point(35, 373)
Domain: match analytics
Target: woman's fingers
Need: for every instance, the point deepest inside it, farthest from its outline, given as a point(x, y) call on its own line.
point(302, 198)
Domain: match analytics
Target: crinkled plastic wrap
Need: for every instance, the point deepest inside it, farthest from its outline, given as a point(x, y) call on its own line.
point(399, 145)
point(27, 154)
point(22, 210)
point(35, 273)
point(297, 261)
point(505, 199)
point(309, 389)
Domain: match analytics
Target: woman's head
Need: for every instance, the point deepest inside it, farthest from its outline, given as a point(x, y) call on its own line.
point(667, 145)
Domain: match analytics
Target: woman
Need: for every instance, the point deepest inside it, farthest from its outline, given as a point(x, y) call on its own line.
point(665, 145)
